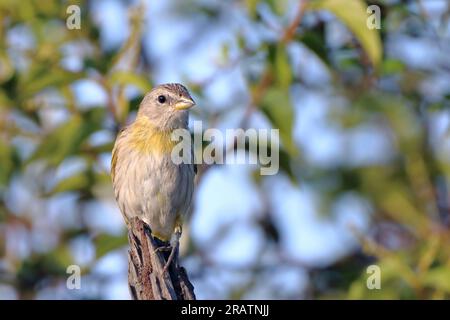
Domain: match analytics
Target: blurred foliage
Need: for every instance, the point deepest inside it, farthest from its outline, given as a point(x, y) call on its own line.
point(44, 127)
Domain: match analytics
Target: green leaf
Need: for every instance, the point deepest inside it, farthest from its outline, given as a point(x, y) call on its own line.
point(279, 64)
point(278, 6)
point(68, 137)
point(135, 102)
point(282, 67)
point(6, 68)
point(277, 106)
point(75, 182)
point(106, 243)
point(100, 148)
point(354, 16)
point(93, 117)
point(438, 278)
point(315, 41)
point(392, 67)
point(252, 6)
point(6, 162)
point(128, 78)
point(58, 144)
point(103, 64)
point(43, 78)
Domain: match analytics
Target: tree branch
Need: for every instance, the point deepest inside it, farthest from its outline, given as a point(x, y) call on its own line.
point(146, 261)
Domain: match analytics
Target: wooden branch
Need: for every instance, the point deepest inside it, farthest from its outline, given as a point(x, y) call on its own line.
point(289, 32)
point(146, 261)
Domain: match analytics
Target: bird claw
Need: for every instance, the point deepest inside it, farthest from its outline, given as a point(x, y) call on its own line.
point(174, 251)
point(163, 248)
point(171, 257)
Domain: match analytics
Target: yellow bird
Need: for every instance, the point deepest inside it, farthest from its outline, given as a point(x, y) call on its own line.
point(146, 181)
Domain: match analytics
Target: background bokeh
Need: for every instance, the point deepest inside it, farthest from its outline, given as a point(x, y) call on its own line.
point(365, 144)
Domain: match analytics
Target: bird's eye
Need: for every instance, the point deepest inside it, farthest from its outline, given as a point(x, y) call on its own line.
point(161, 99)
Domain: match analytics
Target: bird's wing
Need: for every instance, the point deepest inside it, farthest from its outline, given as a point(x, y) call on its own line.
point(115, 153)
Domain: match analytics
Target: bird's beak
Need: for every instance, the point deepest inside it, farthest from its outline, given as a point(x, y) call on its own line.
point(184, 103)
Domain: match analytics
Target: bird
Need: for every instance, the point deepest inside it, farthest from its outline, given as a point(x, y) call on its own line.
point(147, 183)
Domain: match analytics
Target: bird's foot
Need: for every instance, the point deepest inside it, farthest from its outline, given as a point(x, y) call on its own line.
point(174, 245)
point(163, 248)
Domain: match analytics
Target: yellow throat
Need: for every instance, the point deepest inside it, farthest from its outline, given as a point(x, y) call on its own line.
point(147, 138)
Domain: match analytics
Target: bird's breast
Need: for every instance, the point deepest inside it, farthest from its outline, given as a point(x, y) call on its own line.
point(152, 143)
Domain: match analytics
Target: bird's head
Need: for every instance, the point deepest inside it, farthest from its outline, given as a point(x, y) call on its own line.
point(166, 106)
